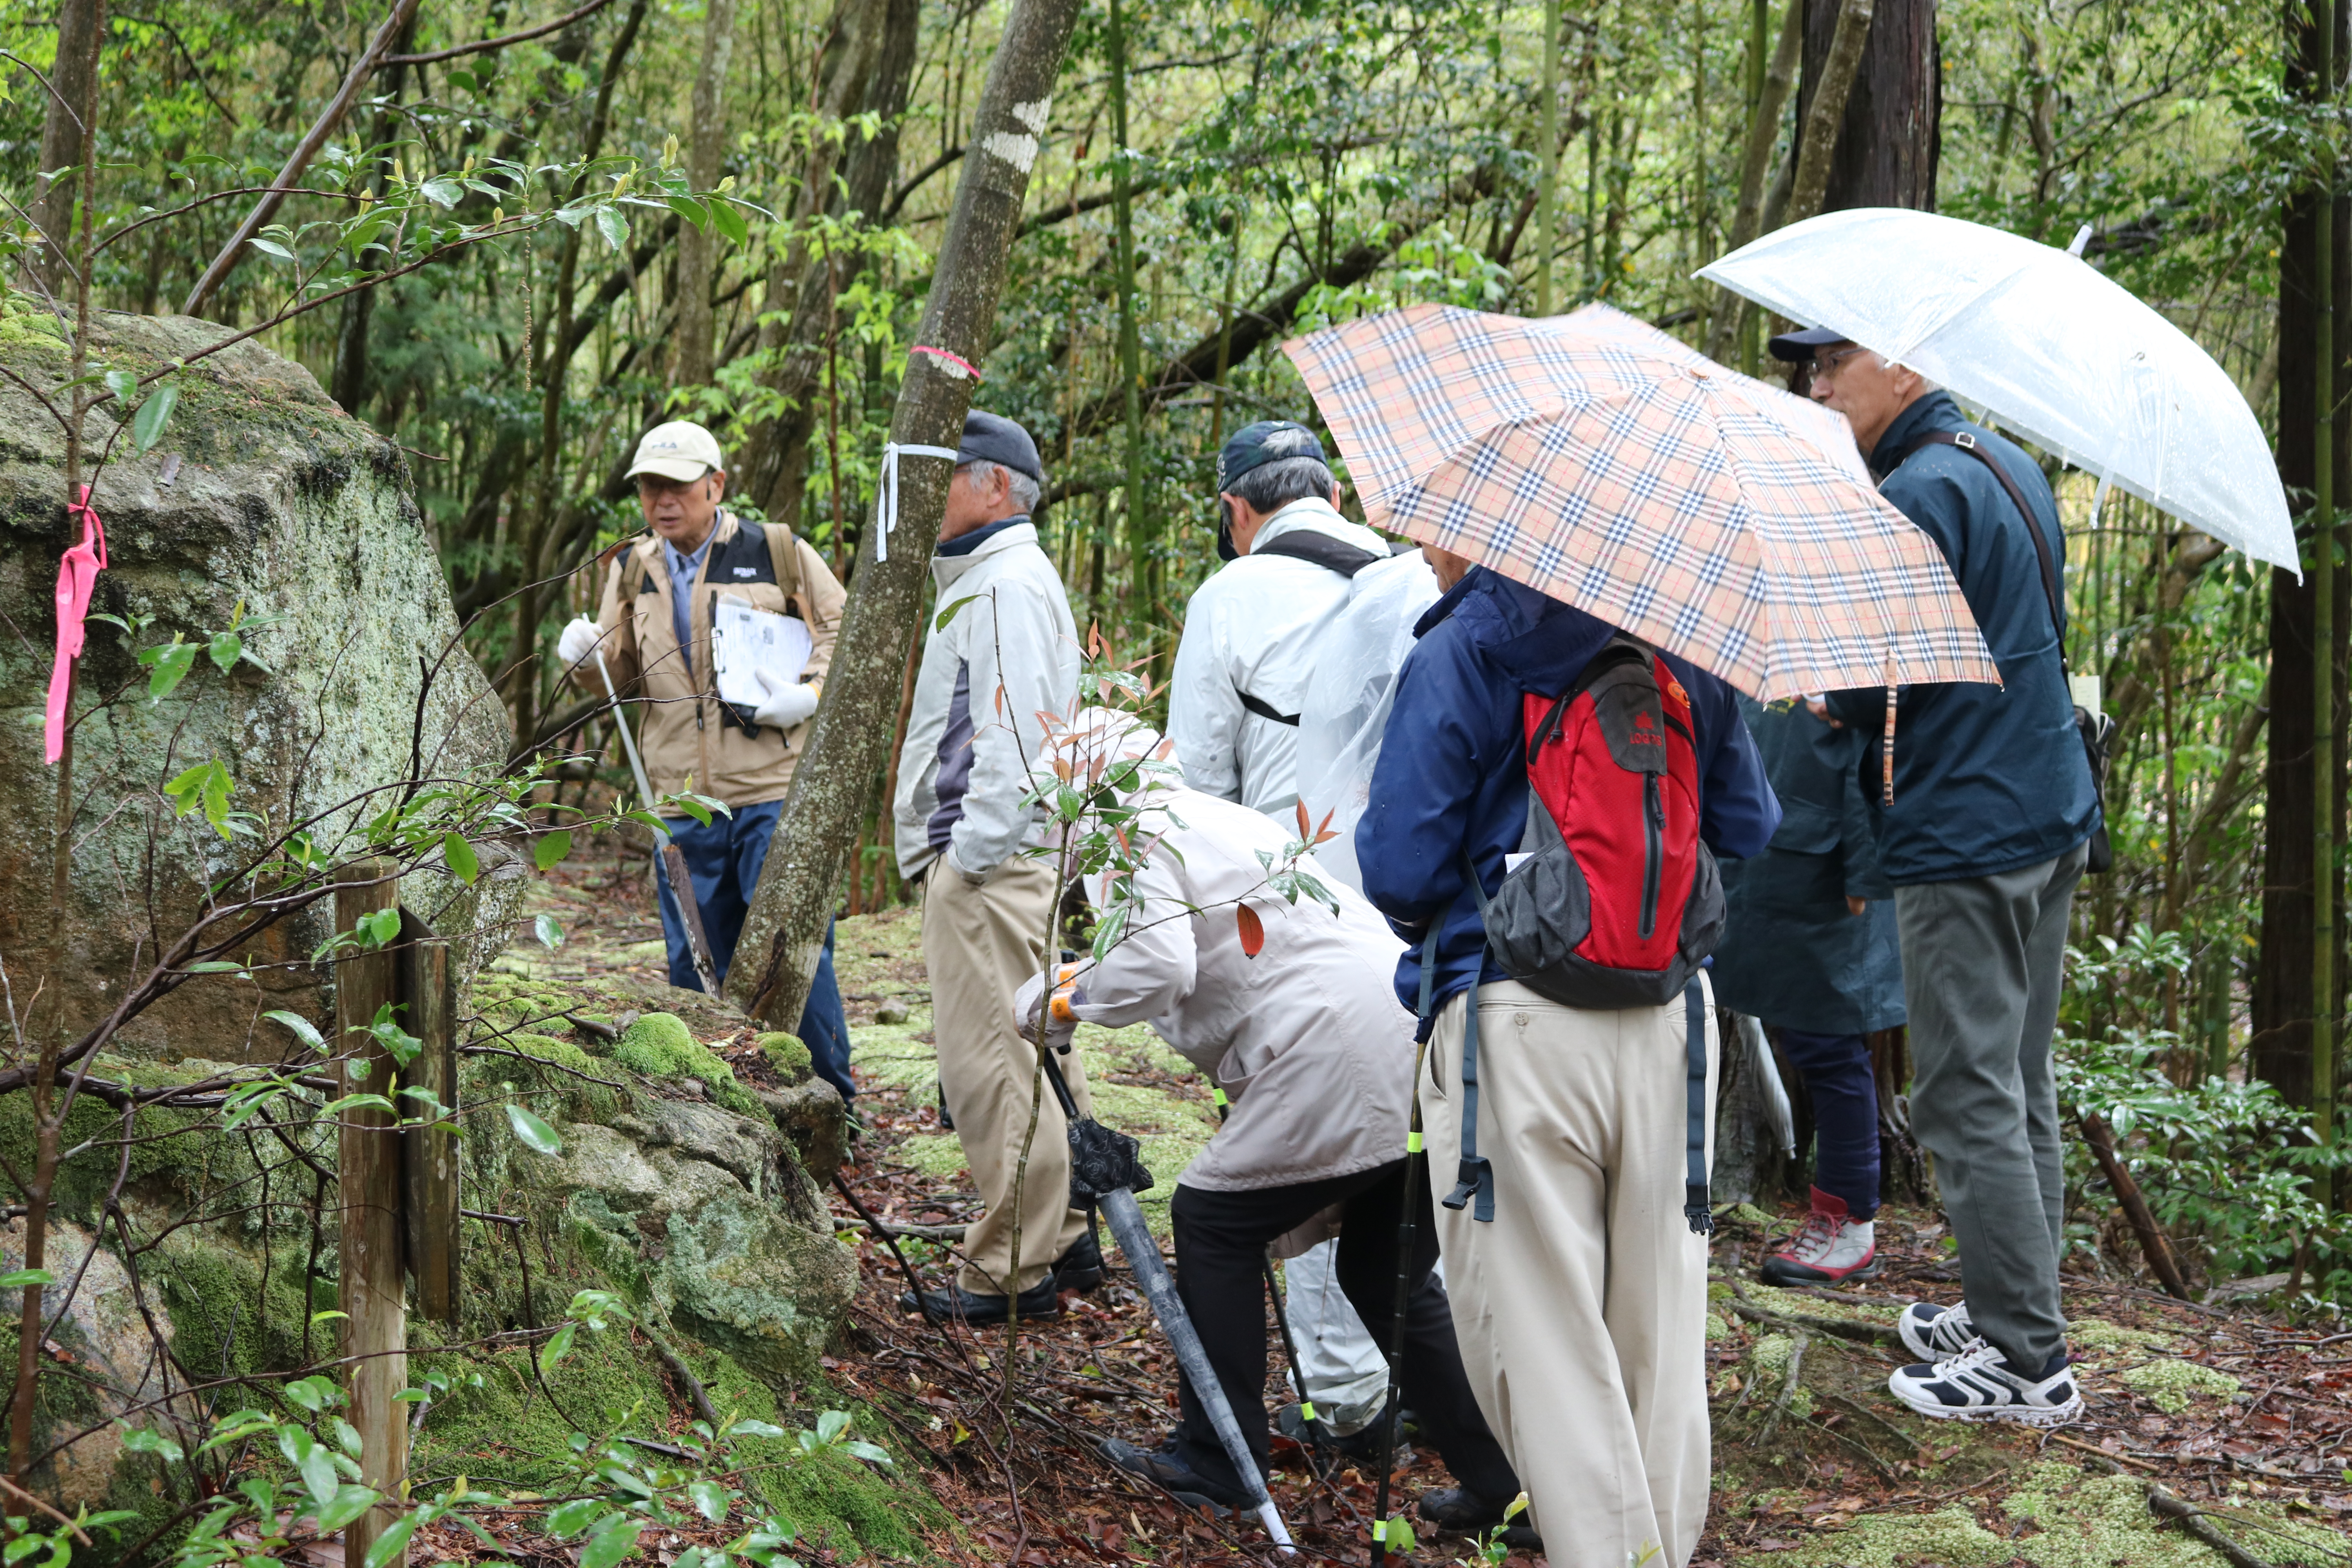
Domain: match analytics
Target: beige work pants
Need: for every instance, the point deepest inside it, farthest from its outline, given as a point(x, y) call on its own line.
point(979, 943)
point(1582, 1307)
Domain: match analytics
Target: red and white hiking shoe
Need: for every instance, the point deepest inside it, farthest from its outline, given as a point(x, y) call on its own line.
point(1831, 1247)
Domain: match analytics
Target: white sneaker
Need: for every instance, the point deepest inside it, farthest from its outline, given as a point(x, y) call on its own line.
point(1933, 1332)
point(1831, 1246)
point(1980, 1385)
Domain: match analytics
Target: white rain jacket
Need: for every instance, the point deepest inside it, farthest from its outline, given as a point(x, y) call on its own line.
point(1349, 695)
point(961, 775)
point(1255, 627)
point(1307, 1039)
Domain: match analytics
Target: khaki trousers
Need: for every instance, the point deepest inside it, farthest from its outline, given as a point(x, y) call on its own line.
point(979, 943)
point(1581, 1308)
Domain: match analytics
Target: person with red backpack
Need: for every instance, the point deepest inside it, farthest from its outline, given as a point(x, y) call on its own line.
point(1544, 819)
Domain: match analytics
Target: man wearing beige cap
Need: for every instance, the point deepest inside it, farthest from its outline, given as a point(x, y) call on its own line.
point(662, 597)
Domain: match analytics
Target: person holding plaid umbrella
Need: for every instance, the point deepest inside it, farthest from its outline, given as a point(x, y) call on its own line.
point(1623, 502)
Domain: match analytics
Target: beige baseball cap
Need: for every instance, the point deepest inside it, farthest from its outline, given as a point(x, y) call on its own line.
point(681, 450)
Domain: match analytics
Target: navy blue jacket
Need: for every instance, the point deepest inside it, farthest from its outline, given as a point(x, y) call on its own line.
point(1452, 772)
point(1987, 778)
point(1792, 954)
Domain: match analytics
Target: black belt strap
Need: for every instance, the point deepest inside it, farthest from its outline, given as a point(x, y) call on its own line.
point(1265, 709)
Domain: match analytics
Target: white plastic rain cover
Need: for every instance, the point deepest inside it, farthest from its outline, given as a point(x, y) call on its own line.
point(1349, 697)
point(2057, 351)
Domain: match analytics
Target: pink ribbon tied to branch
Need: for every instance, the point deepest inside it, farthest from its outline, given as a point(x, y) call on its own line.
point(76, 575)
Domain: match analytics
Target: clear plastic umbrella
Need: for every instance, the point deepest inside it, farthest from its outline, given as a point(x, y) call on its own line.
point(2057, 351)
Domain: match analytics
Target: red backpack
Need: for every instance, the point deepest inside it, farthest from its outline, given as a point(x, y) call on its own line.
point(1617, 900)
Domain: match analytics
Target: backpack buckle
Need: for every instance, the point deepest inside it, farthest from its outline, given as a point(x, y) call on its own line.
point(1964, 441)
point(1474, 1178)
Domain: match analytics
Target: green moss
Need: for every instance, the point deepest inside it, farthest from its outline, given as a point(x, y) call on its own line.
point(788, 1055)
point(176, 1161)
point(659, 1045)
point(509, 1435)
point(2169, 1383)
point(220, 1320)
point(1949, 1538)
point(563, 1085)
point(2099, 1335)
point(1790, 1302)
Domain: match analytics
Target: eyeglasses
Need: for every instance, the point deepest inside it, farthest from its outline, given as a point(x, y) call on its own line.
point(1826, 366)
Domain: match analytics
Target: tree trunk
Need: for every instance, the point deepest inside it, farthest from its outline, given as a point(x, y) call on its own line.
point(69, 111)
point(2280, 1051)
point(868, 60)
point(1772, 85)
point(698, 247)
point(1885, 156)
point(783, 933)
point(349, 386)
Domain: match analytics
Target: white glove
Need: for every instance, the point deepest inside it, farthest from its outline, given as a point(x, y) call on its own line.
point(787, 707)
point(578, 641)
point(1062, 1021)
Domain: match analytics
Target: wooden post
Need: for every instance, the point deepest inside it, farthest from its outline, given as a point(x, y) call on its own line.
point(429, 1154)
point(375, 1332)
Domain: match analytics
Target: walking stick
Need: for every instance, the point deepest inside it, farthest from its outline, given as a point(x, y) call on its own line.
point(1408, 1224)
point(681, 882)
point(1103, 1168)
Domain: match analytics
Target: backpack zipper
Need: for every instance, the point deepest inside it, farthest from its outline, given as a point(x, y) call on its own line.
point(1653, 822)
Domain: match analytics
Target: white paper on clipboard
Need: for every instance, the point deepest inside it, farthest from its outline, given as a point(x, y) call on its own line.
point(753, 650)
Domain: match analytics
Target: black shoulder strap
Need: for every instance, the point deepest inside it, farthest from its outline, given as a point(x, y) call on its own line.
point(1321, 549)
point(1265, 709)
point(1967, 442)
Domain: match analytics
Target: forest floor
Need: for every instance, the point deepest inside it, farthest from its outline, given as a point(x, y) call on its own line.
point(2236, 1416)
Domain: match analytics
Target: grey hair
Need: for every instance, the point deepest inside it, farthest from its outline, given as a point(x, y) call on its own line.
point(1272, 486)
point(1022, 488)
point(1025, 491)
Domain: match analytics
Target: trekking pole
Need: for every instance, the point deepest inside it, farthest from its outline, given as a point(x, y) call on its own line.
point(673, 858)
point(1129, 1228)
point(1407, 1225)
point(1315, 1437)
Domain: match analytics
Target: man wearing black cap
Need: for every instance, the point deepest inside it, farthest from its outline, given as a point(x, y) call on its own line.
point(1988, 833)
point(1008, 653)
point(1250, 632)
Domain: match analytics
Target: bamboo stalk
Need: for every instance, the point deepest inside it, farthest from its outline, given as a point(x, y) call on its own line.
point(1756, 161)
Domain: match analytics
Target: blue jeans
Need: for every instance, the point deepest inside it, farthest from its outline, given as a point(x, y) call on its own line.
point(1845, 1115)
point(724, 861)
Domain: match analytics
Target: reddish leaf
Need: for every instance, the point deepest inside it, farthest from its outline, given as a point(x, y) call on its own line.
point(1253, 930)
point(1303, 831)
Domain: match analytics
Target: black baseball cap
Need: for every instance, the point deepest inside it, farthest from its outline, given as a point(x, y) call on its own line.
point(992, 438)
point(1796, 348)
point(1266, 441)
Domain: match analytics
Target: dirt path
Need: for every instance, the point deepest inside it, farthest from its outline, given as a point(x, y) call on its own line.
point(2238, 1415)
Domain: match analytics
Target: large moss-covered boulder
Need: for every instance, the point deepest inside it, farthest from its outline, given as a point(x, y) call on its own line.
point(262, 500)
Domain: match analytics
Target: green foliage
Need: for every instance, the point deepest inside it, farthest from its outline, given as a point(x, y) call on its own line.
point(2226, 1164)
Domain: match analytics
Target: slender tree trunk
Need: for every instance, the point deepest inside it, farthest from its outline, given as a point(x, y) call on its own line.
point(2323, 764)
point(698, 247)
point(1548, 197)
point(350, 388)
point(1824, 114)
point(299, 160)
point(68, 120)
point(1142, 533)
point(868, 60)
point(1755, 157)
point(1893, 134)
point(785, 930)
point(2280, 1050)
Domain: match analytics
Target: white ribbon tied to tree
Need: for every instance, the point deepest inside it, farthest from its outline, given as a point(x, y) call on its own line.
point(885, 490)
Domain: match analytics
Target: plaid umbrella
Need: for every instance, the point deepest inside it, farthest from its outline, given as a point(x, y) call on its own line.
point(1602, 462)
